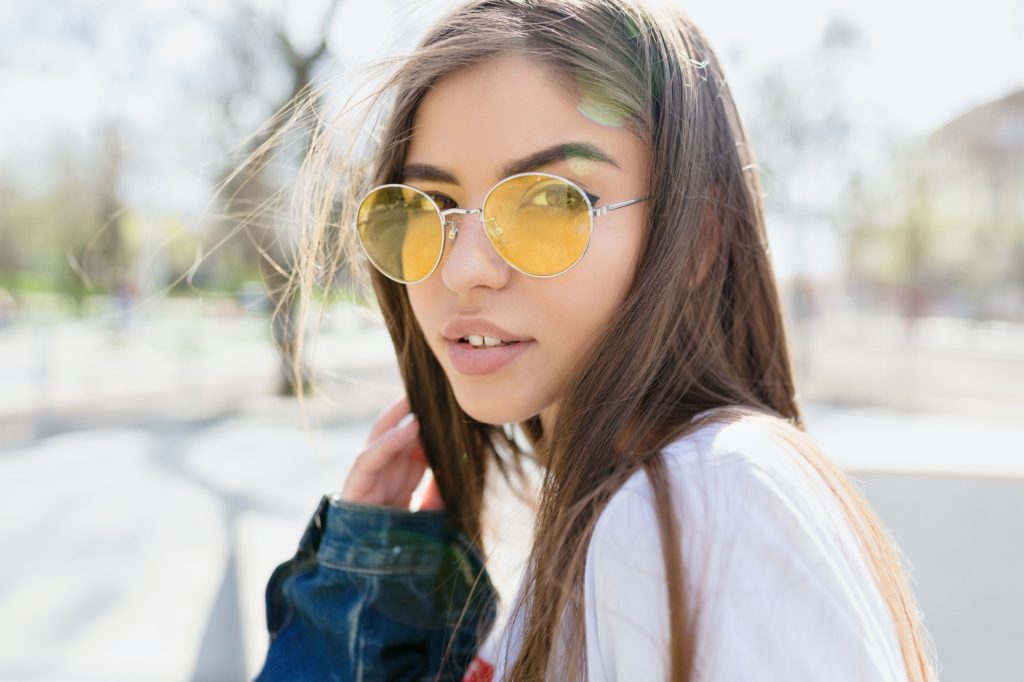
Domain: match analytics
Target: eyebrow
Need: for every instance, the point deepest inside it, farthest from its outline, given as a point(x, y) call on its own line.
point(548, 155)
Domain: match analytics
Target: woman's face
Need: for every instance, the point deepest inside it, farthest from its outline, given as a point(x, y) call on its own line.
point(470, 125)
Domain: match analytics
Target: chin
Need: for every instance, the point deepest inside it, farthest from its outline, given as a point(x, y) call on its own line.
point(494, 407)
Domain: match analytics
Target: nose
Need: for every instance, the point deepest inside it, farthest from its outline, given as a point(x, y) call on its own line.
point(470, 260)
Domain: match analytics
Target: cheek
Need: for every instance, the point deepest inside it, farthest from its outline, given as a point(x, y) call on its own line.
point(615, 261)
point(420, 298)
point(586, 298)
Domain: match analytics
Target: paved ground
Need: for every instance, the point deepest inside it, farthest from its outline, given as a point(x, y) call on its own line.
point(139, 530)
point(961, 538)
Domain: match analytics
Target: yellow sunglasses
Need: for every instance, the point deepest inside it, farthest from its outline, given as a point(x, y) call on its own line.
point(539, 223)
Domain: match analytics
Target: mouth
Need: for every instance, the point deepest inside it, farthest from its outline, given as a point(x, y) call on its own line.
point(471, 359)
point(479, 342)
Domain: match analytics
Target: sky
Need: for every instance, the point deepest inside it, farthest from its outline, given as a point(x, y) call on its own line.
point(923, 62)
point(151, 65)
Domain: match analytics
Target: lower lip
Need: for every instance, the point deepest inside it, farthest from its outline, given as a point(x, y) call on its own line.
point(469, 360)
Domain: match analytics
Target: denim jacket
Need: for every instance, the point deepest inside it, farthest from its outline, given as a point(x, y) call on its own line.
point(375, 593)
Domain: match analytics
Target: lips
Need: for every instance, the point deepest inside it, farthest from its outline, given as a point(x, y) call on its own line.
point(462, 327)
point(469, 360)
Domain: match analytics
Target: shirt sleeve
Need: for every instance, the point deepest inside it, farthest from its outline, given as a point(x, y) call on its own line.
point(786, 594)
point(376, 593)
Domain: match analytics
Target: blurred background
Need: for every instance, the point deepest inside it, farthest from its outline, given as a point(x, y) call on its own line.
point(154, 463)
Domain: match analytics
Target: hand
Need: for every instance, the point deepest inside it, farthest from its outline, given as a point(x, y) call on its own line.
point(393, 466)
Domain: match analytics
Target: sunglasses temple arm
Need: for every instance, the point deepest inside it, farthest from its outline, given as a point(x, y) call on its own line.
point(611, 207)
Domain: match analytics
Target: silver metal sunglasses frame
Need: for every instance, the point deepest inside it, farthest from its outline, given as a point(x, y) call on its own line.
point(453, 228)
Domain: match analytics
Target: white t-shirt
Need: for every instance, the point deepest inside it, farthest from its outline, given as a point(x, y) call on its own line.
point(787, 594)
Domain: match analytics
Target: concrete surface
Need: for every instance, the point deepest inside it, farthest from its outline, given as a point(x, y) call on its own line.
point(140, 525)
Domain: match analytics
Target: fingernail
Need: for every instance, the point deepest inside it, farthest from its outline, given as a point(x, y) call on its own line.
point(405, 420)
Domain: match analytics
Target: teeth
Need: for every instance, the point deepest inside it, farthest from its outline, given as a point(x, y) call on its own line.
point(479, 341)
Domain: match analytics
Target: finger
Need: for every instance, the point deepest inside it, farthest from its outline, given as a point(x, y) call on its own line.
point(410, 478)
point(371, 469)
point(415, 467)
point(399, 439)
point(418, 453)
point(389, 418)
point(416, 498)
point(431, 498)
point(399, 477)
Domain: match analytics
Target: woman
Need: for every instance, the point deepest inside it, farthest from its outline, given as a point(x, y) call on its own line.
point(566, 235)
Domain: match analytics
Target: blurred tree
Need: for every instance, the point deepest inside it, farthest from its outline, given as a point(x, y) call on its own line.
point(11, 257)
point(799, 120)
point(63, 217)
point(252, 36)
point(109, 262)
point(66, 234)
point(251, 58)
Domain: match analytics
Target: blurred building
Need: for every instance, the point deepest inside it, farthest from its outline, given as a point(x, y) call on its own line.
point(943, 231)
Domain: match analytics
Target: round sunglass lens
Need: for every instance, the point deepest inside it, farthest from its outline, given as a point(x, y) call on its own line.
point(401, 232)
point(539, 224)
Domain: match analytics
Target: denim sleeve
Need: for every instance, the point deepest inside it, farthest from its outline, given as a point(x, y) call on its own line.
point(376, 593)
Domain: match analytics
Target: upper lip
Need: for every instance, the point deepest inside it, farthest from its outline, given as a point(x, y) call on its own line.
point(464, 326)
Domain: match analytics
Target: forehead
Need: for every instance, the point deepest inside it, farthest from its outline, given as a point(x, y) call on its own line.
point(475, 120)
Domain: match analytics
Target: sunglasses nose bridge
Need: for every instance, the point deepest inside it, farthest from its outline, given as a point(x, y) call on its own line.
point(451, 227)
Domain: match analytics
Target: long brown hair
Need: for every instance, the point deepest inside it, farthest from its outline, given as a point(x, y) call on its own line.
point(701, 326)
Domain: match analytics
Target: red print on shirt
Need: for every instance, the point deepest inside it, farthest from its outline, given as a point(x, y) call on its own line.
point(479, 670)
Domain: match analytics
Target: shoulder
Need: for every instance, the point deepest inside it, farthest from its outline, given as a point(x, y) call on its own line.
point(767, 552)
point(724, 475)
point(720, 473)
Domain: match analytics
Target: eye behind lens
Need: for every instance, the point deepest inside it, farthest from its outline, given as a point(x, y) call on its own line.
point(538, 223)
point(443, 201)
